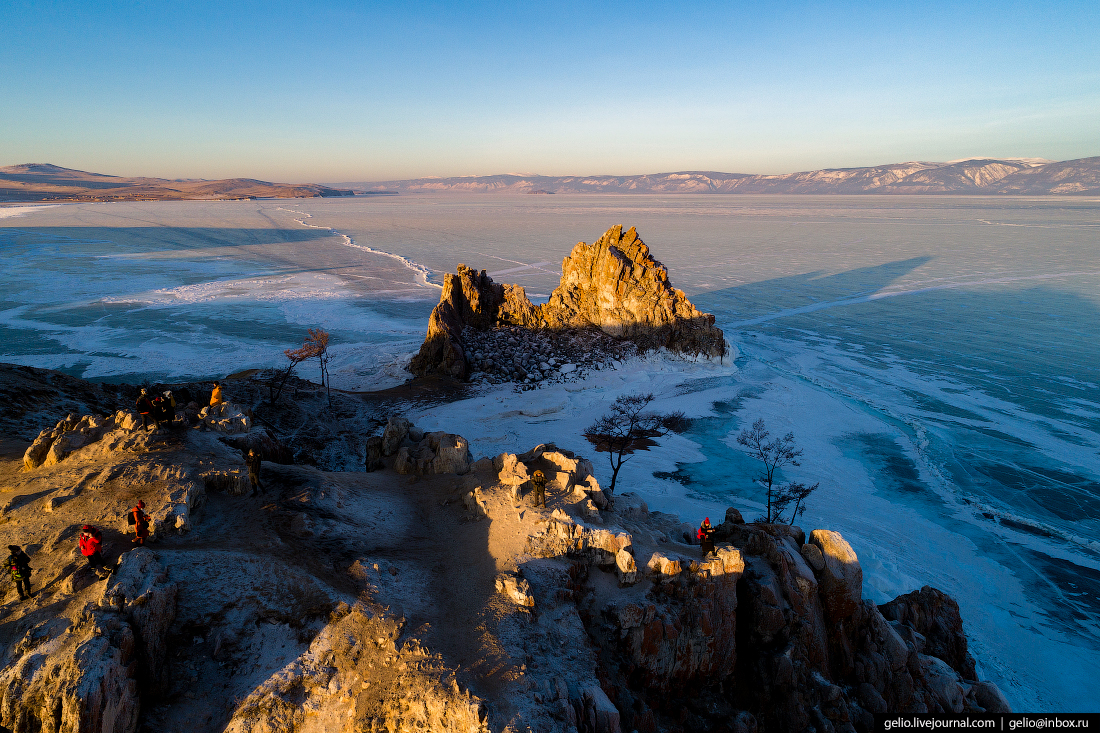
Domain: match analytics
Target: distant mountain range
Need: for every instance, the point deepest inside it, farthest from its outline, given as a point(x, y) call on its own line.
point(986, 176)
point(46, 182)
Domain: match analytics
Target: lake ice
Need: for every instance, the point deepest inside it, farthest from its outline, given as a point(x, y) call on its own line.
point(934, 356)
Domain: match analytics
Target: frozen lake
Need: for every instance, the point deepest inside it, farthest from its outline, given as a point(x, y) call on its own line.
point(935, 356)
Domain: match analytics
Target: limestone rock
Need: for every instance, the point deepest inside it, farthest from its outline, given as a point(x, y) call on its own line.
point(451, 453)
point(37, 451)
point(512, 472)
point(84, 675)
point(233, 481)
point(614, 286)
point(617, 286)
point(600, 715)
point(403, 462)
point(944, 684)
point(397, 429)
point(374, 453)
point(139, 589)
point(841, 580)
point(990, 698)
point(437, 453)
point(626, 568)
point(65, 444)
point(935, 616)
point(515, 588)
point(813, 556)
point(225, 417)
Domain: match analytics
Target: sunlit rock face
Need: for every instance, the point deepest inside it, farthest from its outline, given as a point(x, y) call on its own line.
point(613, 286)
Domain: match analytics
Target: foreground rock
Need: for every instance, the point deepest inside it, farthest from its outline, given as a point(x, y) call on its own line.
point(614, 287)
point(85, 674)
point(375, 601)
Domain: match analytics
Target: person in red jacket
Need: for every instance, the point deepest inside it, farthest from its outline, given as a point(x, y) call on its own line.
point(704, 537)
point(90, 543)
point(139, 520)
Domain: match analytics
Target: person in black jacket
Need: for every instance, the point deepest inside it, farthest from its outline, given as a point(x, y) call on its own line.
point(19, 565)
point(253, 461)
point(144, 407)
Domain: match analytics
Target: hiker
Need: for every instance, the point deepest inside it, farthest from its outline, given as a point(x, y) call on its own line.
point(704, 536)
point(139, 520)
point(216, 394)
point(538, 480)
point(19, 565)
point(169, 407)
point(90, 542)
point(158, 410)
point(253, 461)
point(144, 407)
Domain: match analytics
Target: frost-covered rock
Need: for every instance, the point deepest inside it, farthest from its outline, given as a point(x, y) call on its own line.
point(517, 589)
point(225, 417)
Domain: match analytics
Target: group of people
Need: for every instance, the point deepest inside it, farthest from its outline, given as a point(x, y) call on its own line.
point(156, 409)
point(90, 541)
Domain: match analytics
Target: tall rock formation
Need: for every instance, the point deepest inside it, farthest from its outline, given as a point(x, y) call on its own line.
point(613, 285)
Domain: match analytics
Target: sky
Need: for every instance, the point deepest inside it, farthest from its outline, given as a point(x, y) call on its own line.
point(364, 91)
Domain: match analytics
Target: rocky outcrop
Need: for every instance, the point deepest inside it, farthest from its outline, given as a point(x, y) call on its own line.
point(934, 617)
point(225, 417)
point(359, 675)
point(436, 453)
point(771, 632)
point(614, 286)
point(85, 676)
point(55, 444)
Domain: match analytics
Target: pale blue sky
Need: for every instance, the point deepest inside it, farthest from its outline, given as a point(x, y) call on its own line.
point(372, 91)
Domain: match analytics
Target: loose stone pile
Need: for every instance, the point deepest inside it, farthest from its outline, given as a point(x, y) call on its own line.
point(511, 353)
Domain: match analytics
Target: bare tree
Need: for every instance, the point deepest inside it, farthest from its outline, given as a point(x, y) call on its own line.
point(627, 427)
point(277, 378)
point(775, 454)
point(315, 346)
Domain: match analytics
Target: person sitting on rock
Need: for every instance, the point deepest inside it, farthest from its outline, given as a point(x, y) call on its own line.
point(253, 461)
point(704, 536)
point(144, 407)
point(216, 394)
point(19, 565)
point(538, 480)
point(139, 520)
point(90, 543)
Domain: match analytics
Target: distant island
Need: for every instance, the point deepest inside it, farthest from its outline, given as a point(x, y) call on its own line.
point(47, 182)
point(982, 176)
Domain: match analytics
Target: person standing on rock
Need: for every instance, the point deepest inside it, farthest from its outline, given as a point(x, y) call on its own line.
point(19, 565)
point(158, 410)
point(216, 394)
point(144, 407)
point(704, 536)
point(90, 543)
point(253, 461)
point(139, 520)
point(169, 407)
point(538, 480)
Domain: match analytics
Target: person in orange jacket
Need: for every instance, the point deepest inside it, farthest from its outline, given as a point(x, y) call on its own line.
point(704, 537)
point(216, 394)
point(139, 520)
point(90, 544)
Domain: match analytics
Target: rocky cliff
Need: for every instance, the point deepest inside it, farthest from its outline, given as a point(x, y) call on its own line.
point(429, 594)
point(613, 287)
